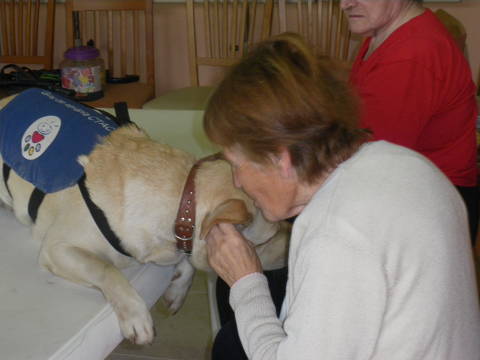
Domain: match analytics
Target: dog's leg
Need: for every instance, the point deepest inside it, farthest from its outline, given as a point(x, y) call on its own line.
point(176, 292)
point(81, 266)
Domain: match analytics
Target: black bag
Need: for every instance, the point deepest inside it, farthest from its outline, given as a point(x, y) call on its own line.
point(14, 79)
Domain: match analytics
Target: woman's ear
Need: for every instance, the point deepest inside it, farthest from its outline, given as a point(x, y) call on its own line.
point(284, 163)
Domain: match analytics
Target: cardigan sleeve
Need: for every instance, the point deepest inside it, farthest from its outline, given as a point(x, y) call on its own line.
point(335, 308)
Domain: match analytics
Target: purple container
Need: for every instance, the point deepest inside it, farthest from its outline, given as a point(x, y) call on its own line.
point(83, 71)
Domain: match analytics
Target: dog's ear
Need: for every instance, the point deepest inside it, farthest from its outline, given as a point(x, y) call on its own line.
point(233, 211)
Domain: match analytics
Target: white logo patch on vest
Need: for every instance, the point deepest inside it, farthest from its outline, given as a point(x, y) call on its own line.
point(39, 135)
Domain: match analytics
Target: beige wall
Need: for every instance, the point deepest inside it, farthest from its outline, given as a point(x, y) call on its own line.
point(171, 41)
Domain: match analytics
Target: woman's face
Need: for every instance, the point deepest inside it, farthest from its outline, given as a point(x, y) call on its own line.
point(368, 17)
point(268, 185)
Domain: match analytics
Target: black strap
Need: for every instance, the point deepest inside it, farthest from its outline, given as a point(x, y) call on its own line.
point(36, 199)
point(121, 112)
point(121, 116)
point(100, 219)
point(6, 175)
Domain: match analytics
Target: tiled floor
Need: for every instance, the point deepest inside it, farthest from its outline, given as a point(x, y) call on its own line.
point(186, 335)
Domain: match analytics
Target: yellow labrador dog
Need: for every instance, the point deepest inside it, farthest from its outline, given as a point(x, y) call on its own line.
point(137, 183)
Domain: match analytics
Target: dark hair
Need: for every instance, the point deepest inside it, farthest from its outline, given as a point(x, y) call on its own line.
point(282, 96)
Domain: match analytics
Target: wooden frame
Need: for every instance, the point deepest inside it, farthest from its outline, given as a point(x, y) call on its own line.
point(230, 28)
point(100, 9)
point(19, 28)
point(321, 22)
point(123, 32)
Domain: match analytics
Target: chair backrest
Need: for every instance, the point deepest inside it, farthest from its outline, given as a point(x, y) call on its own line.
point(321, 22)
point(220, 32)
point(454, 27)
point(121, 29)
point(23, 26)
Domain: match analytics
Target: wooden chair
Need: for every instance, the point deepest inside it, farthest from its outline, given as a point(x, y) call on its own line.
point(220, 32)
point(321, 22)
point(24, 24)
point(123, 32)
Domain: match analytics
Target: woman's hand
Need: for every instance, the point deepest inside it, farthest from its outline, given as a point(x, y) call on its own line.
point(230, 254)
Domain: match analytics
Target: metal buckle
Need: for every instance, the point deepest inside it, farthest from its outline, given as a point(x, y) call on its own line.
point(178, 237)
point(183, 238)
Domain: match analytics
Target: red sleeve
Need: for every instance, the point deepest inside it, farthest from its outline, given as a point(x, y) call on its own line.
point(397, 101)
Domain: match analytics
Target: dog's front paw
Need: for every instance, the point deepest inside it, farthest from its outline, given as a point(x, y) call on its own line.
point(175, 295)
point(137, 325)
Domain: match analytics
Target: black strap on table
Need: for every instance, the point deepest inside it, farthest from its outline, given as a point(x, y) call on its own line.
point(100, 218)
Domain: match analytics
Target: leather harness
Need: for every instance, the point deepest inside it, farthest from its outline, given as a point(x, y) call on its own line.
point(184, 227)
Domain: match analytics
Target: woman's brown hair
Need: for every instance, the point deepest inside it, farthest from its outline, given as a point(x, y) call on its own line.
point(282, 96)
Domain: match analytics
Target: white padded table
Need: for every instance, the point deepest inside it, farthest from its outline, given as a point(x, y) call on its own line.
point(45, 317)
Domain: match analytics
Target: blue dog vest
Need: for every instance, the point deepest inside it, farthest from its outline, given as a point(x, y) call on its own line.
point(42, 134)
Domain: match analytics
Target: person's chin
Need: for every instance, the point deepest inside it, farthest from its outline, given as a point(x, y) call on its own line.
point(277, 217)
point(359, 29)
point(269, 216)
point(294, 211)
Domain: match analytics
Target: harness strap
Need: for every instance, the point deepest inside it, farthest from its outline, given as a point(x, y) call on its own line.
point(99, 217)
point(121, 113)
point(121, 117)
point(36, 199)
point(6, 175)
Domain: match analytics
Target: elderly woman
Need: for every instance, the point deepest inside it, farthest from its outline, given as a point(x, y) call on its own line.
point(416, 87)
point(380, 264)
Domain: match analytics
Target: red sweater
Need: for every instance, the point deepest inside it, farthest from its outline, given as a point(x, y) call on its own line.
point(417, 91)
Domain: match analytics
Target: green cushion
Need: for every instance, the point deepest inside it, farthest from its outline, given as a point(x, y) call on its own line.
point(190, 98)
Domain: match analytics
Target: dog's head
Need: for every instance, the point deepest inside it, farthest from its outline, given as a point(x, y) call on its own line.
point(220, 202)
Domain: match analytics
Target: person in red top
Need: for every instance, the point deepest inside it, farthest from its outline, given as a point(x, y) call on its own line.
point(416, 88)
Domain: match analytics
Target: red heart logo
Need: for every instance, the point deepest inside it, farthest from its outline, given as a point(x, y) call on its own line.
point(37, 137)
